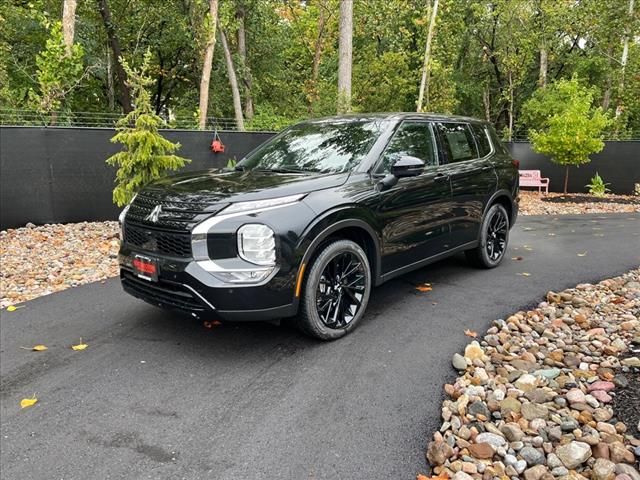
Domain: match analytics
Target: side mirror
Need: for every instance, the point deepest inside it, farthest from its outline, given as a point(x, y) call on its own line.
point(407, 166)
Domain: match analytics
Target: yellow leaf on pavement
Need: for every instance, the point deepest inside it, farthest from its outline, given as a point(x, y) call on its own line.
point(36, 348)
point(425, 287)
point(582, 254)
point(80, 346)
point(13, 308)
point(470, 333)
point(28, 402)
point(525, 274)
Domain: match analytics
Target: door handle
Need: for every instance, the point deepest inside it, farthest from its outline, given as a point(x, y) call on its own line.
point(441, 177)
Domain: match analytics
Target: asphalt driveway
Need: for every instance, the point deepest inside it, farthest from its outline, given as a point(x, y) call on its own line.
point(157, 395)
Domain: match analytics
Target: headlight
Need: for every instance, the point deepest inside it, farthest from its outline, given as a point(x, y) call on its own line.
point(257, 244)
point(261, 204)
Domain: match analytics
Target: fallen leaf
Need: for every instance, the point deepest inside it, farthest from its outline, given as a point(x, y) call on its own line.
point(516, 258)
point(13, 308)
point(425, 287)
point(470, 333)
point(525, 274)
point(28, 402)
point(211, 324)
point(582, 254)
point(80, 346)
point(36, 348)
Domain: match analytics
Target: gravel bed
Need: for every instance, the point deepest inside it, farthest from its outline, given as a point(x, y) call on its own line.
point(534, 203)
point(535, 396)
point(36, 261)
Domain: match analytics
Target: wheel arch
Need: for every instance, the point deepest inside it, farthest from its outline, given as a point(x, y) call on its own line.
point(355, 229)
point(504, 198)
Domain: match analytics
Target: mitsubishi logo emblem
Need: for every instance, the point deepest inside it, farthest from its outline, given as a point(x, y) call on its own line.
point(155, 214)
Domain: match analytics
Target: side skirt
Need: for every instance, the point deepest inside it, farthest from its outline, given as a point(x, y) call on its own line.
point(425, 261)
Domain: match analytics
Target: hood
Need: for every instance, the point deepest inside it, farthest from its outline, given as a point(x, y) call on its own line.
point(235, 186)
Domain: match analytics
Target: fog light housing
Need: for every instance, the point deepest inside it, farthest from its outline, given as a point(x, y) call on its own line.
point(257, 244)
point(243, 276)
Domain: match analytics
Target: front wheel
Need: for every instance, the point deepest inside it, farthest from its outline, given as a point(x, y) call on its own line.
point(493, 241)
point(336, 291)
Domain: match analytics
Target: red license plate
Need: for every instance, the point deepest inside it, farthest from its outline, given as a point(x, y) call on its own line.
point(145, 267)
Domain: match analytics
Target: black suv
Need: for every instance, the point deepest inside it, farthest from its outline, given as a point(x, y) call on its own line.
point(309, 222)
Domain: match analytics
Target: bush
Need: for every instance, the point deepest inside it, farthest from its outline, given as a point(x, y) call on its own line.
point(147, 155)
point(597, 187)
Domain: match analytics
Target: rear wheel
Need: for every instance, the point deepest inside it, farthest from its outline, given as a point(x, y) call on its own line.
point(494, 238)
point(336, 291)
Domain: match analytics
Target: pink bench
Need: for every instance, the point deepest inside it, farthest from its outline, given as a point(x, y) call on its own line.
point(532, 178)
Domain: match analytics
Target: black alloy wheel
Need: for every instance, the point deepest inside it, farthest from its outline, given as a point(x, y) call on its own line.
point(336, 291)
point(497, 230)
point(493, 239)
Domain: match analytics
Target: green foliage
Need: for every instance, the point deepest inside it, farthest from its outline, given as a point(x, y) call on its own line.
point(147, 155)
point(58, 72)
point(564, 123)
point(485, 57)
point(597, 187)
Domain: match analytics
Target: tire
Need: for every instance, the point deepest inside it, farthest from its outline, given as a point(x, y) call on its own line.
point(331, 307)
point(484, 255)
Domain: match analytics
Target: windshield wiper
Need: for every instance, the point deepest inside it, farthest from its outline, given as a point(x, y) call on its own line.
point(280, 170)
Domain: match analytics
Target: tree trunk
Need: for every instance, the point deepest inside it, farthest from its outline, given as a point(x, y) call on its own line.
point(244, 67)
point(111, 93)
point(312, 93)
point(233, 81)
point(486, 99)
point(68, 23)
point(426, 67)
point(510, 109)
point(544, 62)
point(203, 104)
point(345, 53)
point(566, 178)
point(114, 43)
point(624, 59)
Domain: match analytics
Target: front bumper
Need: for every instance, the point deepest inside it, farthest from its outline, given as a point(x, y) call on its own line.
point(184, 286)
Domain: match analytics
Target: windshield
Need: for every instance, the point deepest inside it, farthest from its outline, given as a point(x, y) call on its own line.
point(325, 147)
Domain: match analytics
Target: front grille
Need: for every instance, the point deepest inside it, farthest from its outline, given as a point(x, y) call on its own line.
point(175, 244)
point(176, 212)
point(164, 294)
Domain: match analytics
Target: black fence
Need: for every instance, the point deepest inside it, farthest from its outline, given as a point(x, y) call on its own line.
point(59, 175)
point(618, 164)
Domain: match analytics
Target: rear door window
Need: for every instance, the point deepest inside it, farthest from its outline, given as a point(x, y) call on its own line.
point(411, 139)
point(482, 140)
point(458, 141)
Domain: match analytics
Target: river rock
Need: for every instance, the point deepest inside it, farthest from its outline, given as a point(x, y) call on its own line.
point(573, 454)
point(458, 362)
point(533, 410)
point(481, 450)
point(532, 456)
point(603, 469)
point(438, 452)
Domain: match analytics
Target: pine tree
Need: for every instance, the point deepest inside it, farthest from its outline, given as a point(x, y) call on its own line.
point(147, 155)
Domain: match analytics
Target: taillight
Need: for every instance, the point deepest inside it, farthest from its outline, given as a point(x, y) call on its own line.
point(515, 163)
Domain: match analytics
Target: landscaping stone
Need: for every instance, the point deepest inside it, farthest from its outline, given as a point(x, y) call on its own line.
point(535, 397)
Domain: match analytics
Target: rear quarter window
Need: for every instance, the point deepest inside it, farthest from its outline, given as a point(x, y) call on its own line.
point(482, 140)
